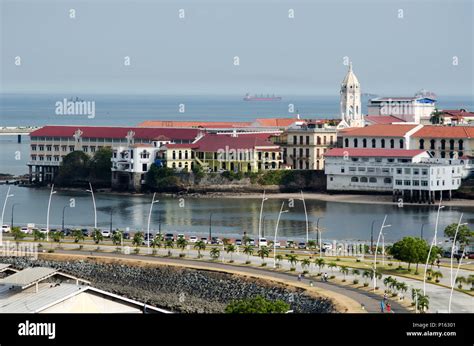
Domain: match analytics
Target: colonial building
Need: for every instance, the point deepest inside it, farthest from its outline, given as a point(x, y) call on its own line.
point(351, 108)
point(50, 144)
point(417, 109)
point(304, 145)
point(453, 117)
point(409, 174)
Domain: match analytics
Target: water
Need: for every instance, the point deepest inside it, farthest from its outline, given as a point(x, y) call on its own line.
point(230, 217)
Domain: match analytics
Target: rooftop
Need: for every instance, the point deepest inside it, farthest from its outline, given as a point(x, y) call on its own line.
point(359, 152)
point(432, 131)
point(379, 130)
point(383, 119)
point(28, 276)
point(193, 124)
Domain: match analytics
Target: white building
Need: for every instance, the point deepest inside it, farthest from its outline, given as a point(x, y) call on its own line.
point(416, 109)
point(411, 174)
point(351, 107)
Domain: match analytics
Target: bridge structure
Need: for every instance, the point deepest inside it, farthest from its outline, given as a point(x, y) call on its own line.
point(17, 131)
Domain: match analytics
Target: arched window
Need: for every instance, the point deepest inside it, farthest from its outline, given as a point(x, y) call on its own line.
point(401, 143)
point(318, 140)
point(382, 143)
point(364, 143)
point(174, 155)
point(374, 143)
point(460, 142)
point(355, 142)
point(443, 154)
point(363, 179)
point(443, 144)
point(392, 143)
point(422, 144)
point(354, 180)
point(180, 155)
point(451, 144)
point(372, 180)
point(432, 144)
point(346, 142)
point(451, 154)
point(461, 154)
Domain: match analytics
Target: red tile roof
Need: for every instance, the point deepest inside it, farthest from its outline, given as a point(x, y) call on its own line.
point(276, 122)
point(379, 130)
point(432, 131)
point(359, 152)
point(194, 124)
point(214, 143)
point(383, 119)
point(117, 132)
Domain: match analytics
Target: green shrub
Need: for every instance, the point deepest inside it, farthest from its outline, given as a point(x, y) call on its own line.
point(366, 284)
point(355, 281)
point(248, 262)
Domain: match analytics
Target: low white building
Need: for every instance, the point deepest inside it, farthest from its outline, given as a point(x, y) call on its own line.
point(411, 174)
point(417, 109)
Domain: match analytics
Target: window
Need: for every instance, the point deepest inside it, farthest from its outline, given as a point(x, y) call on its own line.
point(387, 180)
point(354, 180)
point(399, 171)
point(346, 142)
point(443, 154)
point(41, 147)
point(416, 183)
point(390, 160)
point(301, 139)
point(318, 141)
point(295, 140)
point(324, 140)
point(352, 169)
point(92, 149)
point(443, 144)
point(416, 171)
point(382, 143)
point(56, 148)
point(144, 167)
point(432, 144)
point(307, 152)
point(460, 143)
point(363, 179)
point(398, 182)
point(361, 169)
point(401, 143)
point(451, 144)
point(392, 143)
point(364, 143)
point(355, 142)
point(371, 169)
point(407, 170)
point(424, 183)
point(385, 170)
point(85, 149)
point(48, 147)
point(407, 182)
point(342, 169)
point(372, 180)
point(378, 159)
point(373, 143)
point(422, 144)
point(33, 147)
point(307, 140)
point(424, 171)
point(174, 155)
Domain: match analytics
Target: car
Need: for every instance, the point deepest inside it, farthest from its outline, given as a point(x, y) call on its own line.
point(215, 241)
point(252, 242)
point(180, 235)
point(238, 242)
point(66, 232)
point(262, 242)
point(193, 239)
point(85, 232)
point(204, 240)
point(470, 255)
point(327, 246)
point(43, 230)
point(169, 236)
point(105, 233)
point(277, 244)
point(126, 235)
point(147, 236)
point(290, 244)
point(25, 230)
point(447, 254)
point(302, 245)
point(6, 228)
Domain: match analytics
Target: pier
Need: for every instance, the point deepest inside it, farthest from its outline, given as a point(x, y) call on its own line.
point(17, 131)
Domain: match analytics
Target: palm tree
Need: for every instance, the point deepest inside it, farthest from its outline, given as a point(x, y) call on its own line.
point(97, 236)
point(311, 244)
point(57, 236)
point(461, 280)
point(402, 287)
point(200, 245)
point(320, 263)
point(230, 248)
point(182, 243)
point(344, 270)
point(305, 263)
point(429, 273)
point(157, 241)
point(293, 260)
point(117, 237)
point(278, 258)
point(138, 239)
point(248, 250)
point(332, 265)
point(37, 235)
point(169, 244)
point(388, 281)
point(355, 272)
point(262, 253)
point(423, 302)
point(215, 253)
point(366, 274)
point(437, 275)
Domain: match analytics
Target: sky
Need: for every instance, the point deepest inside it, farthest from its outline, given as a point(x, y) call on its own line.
point(397, 47)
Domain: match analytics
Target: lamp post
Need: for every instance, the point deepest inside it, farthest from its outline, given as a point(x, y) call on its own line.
point(433, 243)
point(318, 237)
point(210, 228)
point(93, 201)
point(372, 236)
point(260, 219)
point(52, 192)
point(263, 226)
point(13, 209)
point(149, 218)
point(276, 231)
point(306, 216)
point(64, 209)
point(376, 247)
point(3, 213)
point(111, 218)
point(453, 280)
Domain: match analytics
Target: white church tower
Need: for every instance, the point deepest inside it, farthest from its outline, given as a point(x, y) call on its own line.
point(351, 110)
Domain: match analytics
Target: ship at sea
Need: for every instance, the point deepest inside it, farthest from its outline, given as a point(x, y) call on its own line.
point(261, 97)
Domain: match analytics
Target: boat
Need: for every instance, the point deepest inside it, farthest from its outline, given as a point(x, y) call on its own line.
point(261, 97)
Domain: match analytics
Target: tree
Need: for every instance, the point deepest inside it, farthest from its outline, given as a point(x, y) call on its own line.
point(305, 263)
point(293, 260)
point(215, 253)
point(461, 280)
point(230, 248)
point(199, 246)
point(117, 237)
point(423, 302)
point(138, 239)
point(74, 169)
point(263, 252)
point(248, 250)
point(320, 263)
point(464, 233)
point(37, 235)
point(311, 244)
point(97, 236)
point(100, 166)
point(278, 259)
point(18, 234)
point(367, 274)
point(257, 305)
point(344, 270)
point(77, 235)
point(181, 243)
point(157, 241)
point(355, 272)
point(161, 178)
point(57, 236)
point(332, 265)
point(429, 273)
point(470, 280)
point(410, 250)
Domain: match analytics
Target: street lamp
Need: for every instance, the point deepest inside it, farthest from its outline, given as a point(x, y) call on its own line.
point(49, 208)
point(432, 244)
point(306, 216)
point(93, 201)
point(453, 280)
point(260, 219)
point(376, 247)
point(210, 228)
point(3, 213)
point(64, 209)
point(276, 231)
point(149, 217)
point(111, 216)
point(319, 238)
point(13, 208)
point(372, 236)
point(263, 226)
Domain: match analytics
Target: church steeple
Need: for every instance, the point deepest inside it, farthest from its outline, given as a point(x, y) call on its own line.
point(351, 110)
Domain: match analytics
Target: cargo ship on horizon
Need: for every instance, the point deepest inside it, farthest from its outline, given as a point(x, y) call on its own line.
point(261, 97)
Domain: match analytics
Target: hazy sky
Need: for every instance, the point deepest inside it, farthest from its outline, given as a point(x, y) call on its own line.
point(391, 55)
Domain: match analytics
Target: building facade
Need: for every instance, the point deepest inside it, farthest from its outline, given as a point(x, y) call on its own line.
point(416, 109)
point(351, 107)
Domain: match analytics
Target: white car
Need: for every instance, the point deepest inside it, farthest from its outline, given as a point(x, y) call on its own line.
point(25, 230)
point(105, 233)
point(262, 242)
point(43, 230)
point(6, 228)
point(193, 239)
point(277, 244)
point(204, 240)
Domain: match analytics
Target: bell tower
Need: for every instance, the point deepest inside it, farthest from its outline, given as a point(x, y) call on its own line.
point(351, 110)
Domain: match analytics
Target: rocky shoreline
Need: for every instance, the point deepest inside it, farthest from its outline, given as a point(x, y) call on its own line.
point(180, 290)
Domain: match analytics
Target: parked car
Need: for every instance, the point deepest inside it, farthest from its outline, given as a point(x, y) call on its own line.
point(105, 233)
point(66, 232)
point(85, 232)
point(238, 242)
point(193, 239)
point(302, 245)
point(169, 236)
point(126, 235)
point(180, 235)
point(470, 255)
point(277, 244)
point(252, 242)
point(262, 242)
point(290, 244)
point(25, 230)
point(216, 241)
point(6, 228)
point(43, 230)
point(327, 246)
point(204, 240)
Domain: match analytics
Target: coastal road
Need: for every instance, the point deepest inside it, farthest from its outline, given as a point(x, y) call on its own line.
point(370, 300)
